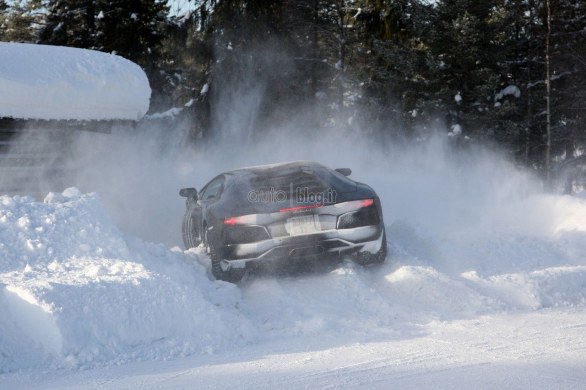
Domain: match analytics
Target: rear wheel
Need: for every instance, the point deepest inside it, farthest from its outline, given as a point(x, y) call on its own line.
point(190, 230)
point(232, 275)
point(366, 258)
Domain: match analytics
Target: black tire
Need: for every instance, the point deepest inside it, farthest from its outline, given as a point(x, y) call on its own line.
point(190, 230)
point(366, 258)
point(233, 275)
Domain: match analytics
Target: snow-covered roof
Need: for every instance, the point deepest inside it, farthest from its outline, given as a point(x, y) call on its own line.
point(64, 83)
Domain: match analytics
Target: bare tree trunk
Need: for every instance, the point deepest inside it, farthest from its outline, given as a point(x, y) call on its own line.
point(314, 48)
point(548, 94)
point(529, 127)
point(340, 66)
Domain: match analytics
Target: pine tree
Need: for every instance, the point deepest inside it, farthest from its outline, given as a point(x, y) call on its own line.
point(394, 62)
point(565, 79)
point(20, 21)
point(131, 28)
point(70, 23)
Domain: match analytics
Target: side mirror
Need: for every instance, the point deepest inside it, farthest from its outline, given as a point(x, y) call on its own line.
point(188, 193)
point(344, 171)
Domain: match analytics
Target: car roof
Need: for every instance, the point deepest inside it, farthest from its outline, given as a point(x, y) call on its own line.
point(276, 168)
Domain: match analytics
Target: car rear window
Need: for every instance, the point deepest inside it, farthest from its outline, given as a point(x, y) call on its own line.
point(288, 184)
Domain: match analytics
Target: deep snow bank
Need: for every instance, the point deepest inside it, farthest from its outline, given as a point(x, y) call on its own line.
point(54, 82)
point(74, 291)
point(77, 292)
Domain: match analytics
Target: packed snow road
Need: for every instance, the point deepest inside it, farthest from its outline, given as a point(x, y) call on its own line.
point(85, 305)
point(513, 351)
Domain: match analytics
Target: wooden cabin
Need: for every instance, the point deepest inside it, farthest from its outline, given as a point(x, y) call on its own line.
point(48, 94)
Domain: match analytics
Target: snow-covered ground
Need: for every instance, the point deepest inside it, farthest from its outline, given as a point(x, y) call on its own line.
point(64, 83)
point(485, 286)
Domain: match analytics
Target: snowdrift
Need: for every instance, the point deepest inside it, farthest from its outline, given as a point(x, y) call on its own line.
point(75, 292)
point(64, 83)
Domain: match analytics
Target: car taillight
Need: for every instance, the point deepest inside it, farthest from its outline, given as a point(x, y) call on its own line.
point(355, 204)
point(233, 221)
point(249, 219)
point(367, 202)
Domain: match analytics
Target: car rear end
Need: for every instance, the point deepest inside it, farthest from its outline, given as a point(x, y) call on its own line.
point(301, 213)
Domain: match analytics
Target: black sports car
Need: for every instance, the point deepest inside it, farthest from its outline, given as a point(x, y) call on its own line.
point(283, 212)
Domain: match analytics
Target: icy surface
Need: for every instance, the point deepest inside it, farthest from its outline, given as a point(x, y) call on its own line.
point(498, 305)
point(63, 83)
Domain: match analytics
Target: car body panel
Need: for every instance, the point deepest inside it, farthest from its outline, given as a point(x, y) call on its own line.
point(287, 211)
